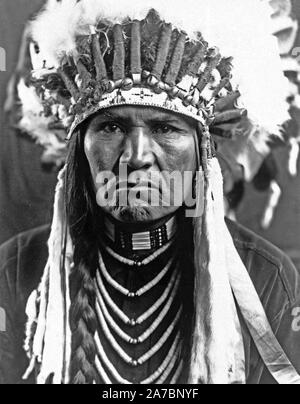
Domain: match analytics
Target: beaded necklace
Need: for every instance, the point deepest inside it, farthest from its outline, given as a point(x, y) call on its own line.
point(105, 305)
point(100, 307)
point(138, 263)
point(161, 373)
point(141, 291)
point(148, 355)
point(140, 320)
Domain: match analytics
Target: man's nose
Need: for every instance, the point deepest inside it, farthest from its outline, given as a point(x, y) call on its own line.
point(138, 153)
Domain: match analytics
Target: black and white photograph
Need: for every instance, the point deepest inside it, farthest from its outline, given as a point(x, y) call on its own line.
point(149, 194)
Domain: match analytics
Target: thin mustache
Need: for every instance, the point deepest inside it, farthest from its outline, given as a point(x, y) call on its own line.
point(141, 184)
point(123, 185)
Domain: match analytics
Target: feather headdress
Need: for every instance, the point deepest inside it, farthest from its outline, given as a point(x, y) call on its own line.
point(233, 27)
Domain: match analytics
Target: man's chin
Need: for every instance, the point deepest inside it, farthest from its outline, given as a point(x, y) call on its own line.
point(137, 214)
point(131, 214)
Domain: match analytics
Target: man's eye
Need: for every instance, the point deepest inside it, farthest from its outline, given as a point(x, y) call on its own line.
point(163, 129)
point(111, 128)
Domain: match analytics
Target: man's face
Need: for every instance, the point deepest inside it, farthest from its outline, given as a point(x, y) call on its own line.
point(148, 144)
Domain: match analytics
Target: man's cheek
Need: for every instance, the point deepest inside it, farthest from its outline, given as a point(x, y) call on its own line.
point(189, 161)
point(105, 160)
point(182, 155)
point(182, 160)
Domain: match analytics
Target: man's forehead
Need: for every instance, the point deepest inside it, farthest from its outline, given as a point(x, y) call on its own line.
point(140, 113)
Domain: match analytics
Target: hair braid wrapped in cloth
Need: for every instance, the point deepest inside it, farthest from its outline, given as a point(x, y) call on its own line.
point(218, 353)
point(51, 347)
point(84, 325)
point(82, 312)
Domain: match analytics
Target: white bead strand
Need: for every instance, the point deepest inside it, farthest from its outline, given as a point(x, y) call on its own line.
point(142, 290)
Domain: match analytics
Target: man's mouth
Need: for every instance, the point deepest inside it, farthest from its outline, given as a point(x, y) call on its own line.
point(142, 185)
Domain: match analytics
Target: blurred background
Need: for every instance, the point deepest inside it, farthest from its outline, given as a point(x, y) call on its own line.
point(26, 191)
point(267, 203)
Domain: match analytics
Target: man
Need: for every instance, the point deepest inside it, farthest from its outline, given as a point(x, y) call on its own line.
point(144, 281)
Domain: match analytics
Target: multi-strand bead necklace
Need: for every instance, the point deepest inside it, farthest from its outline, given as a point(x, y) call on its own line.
point(107, 309)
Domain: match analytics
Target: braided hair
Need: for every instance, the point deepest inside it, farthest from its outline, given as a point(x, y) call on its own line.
point(81, 211)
